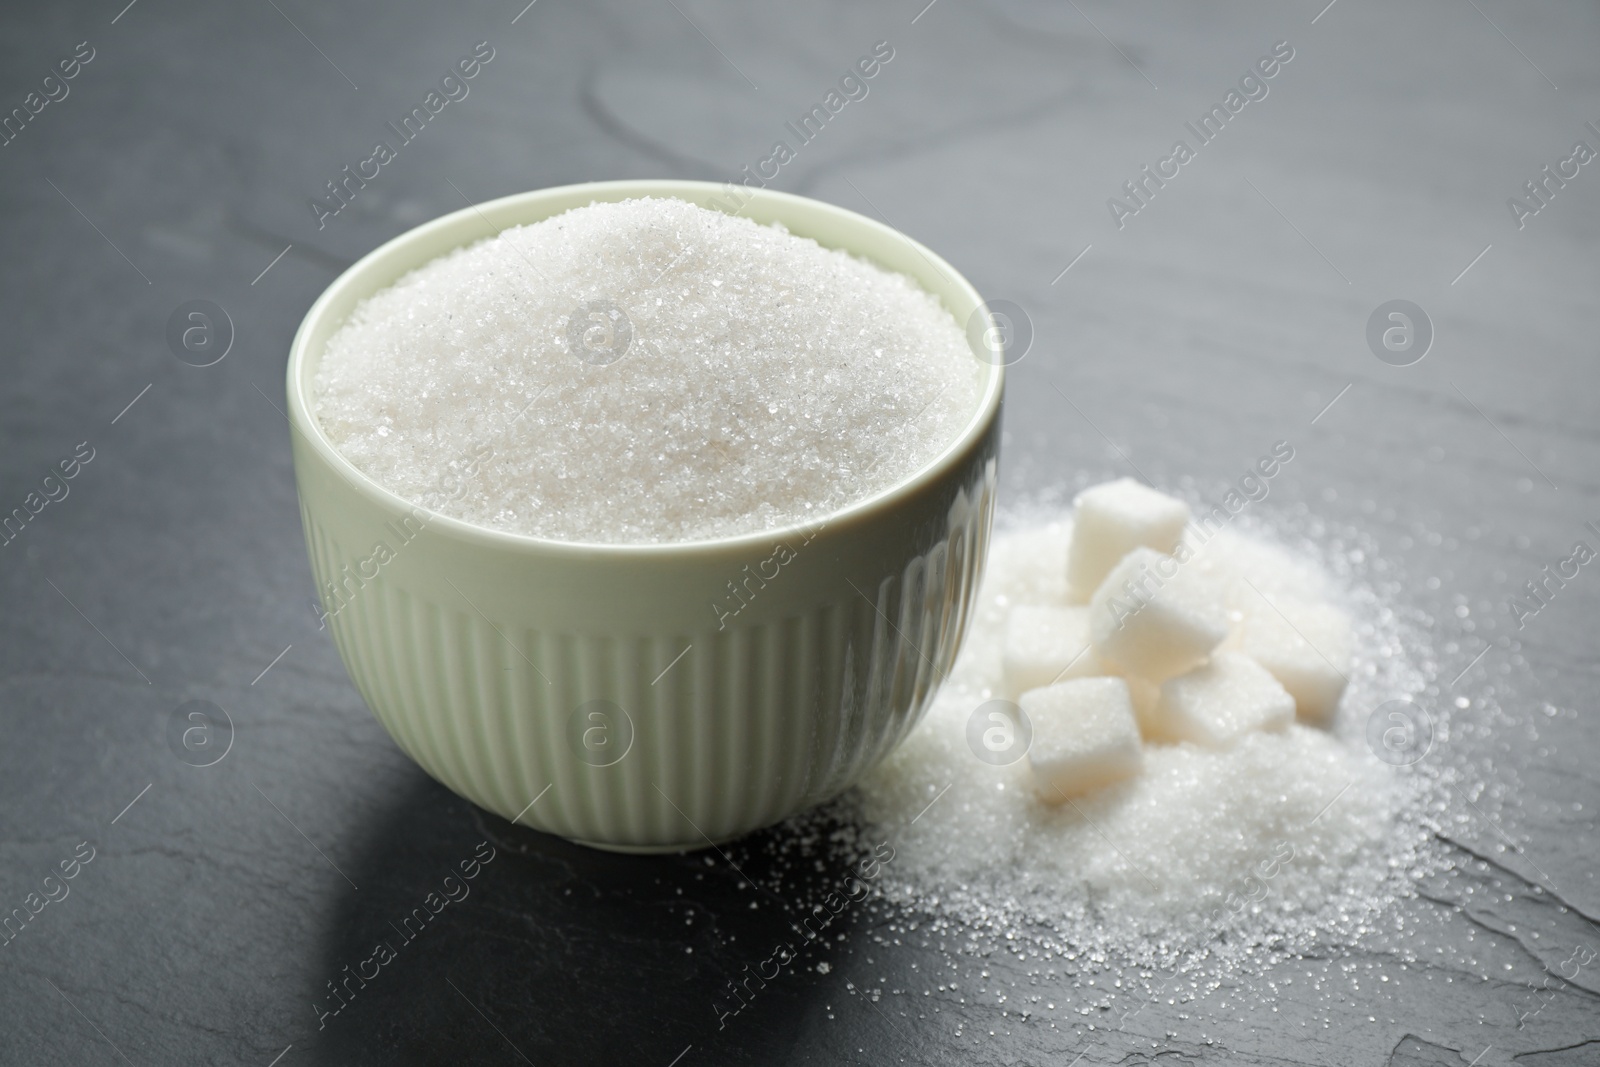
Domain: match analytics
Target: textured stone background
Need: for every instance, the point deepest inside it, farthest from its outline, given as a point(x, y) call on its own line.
point(1228, 313)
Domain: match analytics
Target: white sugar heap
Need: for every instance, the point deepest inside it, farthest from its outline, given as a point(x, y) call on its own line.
point(1282, 838)
point(753, 379)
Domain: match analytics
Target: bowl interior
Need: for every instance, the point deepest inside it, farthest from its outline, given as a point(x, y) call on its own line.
point(828, 225)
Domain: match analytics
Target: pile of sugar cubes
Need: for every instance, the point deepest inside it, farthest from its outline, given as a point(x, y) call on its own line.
point(1157, 643)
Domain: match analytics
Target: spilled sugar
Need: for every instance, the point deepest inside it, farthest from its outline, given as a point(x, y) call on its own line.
point(1164, 849)
point(1204, 860)
point(645, 371)
point(1427, 907)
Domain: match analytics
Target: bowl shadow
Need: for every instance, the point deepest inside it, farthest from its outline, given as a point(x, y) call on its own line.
point(472, 940)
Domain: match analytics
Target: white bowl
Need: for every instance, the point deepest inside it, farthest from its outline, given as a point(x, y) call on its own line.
point(549, 681)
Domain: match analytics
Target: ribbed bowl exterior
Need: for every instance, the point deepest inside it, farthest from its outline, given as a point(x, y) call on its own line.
point(646, 697)
point(730, 726)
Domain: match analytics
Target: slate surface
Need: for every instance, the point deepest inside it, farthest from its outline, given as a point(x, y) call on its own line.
point(1225, 313)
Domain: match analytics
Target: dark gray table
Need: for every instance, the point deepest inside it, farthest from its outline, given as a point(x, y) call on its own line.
point(1228, 310)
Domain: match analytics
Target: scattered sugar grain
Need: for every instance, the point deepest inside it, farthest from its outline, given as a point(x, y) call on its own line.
point(767, 381)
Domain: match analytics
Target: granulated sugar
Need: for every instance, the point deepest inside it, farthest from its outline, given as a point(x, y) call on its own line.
point(1199, 861)
point(645, 371)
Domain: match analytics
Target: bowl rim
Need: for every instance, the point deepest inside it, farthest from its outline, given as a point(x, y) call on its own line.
point(304, 422)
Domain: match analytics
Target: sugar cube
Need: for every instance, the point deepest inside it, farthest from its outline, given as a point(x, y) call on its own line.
point(1084, 736)
point(1154, 618)
point(1045, 644)
point(1112, 520)
point(1252, 568)
point(1305, 644)
point(1216, 704)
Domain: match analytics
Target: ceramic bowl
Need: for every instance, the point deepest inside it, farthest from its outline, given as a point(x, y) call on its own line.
point(608, 693)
